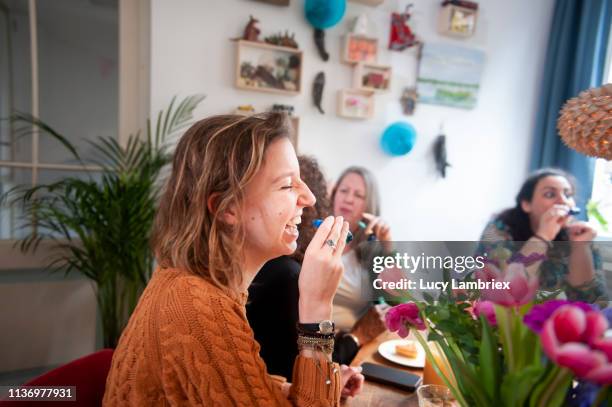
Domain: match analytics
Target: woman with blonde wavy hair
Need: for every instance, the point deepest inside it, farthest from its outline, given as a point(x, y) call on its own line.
point(233, 201)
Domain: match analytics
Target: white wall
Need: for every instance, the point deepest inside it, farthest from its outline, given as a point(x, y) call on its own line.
point(488, 146)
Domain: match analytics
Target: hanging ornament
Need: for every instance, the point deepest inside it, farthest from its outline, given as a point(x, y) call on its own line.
point(408, 101)
point(585, 122)
point(400, 35)
point(398, 139)
point(319, 39)
point(324, 14)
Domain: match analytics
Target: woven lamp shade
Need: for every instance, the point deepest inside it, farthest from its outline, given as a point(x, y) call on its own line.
point(585, 122)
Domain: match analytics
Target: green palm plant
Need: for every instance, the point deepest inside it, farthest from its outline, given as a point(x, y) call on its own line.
point(101, 227)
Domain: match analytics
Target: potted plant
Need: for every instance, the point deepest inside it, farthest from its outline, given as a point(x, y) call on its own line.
point(100, 226)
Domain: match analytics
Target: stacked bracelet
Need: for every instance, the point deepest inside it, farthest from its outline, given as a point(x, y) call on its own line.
point(325, 345)
point(311, 334)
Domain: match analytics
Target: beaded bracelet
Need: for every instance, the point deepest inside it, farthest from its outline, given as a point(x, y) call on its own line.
point(548, 242)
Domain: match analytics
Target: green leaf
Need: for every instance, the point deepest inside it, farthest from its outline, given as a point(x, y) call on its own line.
point(465, 374)
point(490, 363)
point(546, 378)
point(516, 387)
point(21, 117)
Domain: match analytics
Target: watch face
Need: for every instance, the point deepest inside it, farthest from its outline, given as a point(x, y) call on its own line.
point(326, 327)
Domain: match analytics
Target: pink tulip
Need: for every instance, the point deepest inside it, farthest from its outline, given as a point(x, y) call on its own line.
point(522, 286)
point(573, 338)
point(487, 309)
point(403, 317)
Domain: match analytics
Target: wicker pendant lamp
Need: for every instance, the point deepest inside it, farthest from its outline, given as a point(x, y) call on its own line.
point(585, 122)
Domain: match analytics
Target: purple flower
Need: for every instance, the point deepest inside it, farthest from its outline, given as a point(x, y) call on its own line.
point(536, 317)
point(402, 317)
point(487, 309)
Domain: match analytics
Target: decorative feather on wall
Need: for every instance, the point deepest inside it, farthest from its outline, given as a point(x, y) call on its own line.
point(440, 154)
point(317, 90)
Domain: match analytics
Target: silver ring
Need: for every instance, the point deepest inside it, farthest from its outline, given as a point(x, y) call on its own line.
point(330, 243)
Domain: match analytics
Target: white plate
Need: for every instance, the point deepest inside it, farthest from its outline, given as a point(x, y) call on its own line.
point(387, 351)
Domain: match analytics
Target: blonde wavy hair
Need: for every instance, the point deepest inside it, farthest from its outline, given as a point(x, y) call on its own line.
point(213, 162)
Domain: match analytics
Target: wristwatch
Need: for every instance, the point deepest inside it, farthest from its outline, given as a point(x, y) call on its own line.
point(325, 327)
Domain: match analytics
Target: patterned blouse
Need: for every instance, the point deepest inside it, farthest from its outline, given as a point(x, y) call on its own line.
point(554, 270)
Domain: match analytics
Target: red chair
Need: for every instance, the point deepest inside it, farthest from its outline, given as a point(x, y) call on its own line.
point(88, 374)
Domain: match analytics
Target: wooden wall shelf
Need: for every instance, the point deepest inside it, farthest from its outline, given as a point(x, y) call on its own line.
point(264, 67)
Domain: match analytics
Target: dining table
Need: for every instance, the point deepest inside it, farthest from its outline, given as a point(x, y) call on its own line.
point(376, 394)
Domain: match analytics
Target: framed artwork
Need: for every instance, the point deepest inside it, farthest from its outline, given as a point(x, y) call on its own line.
point(450, 75)
point(355, 104)
point(457, 21)
point(359, 48)
point(372, 77)
point(268, 68)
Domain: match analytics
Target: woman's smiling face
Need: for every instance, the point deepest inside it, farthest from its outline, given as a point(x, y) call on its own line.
point(273, 203)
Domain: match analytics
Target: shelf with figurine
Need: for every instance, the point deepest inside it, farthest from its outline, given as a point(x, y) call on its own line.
point(273, 65)
point(372, 77)
point(355, 104)
point(458, 18)
point(359, 48)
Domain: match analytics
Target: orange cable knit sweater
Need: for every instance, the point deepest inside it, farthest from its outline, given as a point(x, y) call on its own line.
point(188, 343)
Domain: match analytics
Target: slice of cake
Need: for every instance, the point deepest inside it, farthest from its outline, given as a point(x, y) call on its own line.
point(408, 350)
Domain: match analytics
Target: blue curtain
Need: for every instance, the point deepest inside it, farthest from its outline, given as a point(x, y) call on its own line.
point(575, 61)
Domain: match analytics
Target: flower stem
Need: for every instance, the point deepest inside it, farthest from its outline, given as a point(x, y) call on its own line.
point(507, 332)
point(561, 376)
point(438, 369)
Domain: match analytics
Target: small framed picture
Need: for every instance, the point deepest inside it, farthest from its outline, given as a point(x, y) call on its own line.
point(359, 48)
point(355, 103)
point(372, 77)
point(457, 21)
point(268, 68)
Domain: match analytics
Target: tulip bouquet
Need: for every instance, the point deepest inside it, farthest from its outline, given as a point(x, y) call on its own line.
point(512, 347)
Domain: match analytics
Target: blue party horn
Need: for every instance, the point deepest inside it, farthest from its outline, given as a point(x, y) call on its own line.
point(574, 211)
point(371, 236)
point(317, 222)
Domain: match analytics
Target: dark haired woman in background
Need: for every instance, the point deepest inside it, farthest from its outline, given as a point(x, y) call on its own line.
point(538, 222)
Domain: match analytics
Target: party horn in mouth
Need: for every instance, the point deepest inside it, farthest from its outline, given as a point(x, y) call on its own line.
point(574, 211)
point(317, 222)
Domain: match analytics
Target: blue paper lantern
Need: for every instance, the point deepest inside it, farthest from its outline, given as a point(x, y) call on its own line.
point(324, 14)
point(398, 139)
